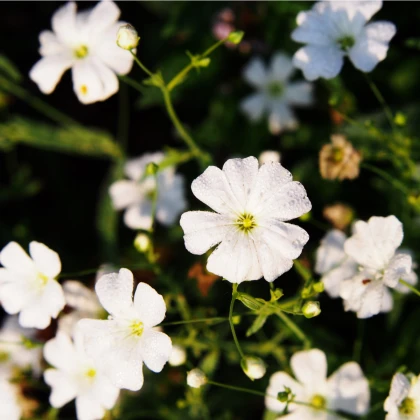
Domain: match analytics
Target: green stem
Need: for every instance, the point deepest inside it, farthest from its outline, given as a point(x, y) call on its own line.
point(413, 289)
point(123, 117)
point(232, 327)
point(384, 175)
point(141, 65)
point(239, 389)
point(294, 328)
point(130, 82)
point(193, 321)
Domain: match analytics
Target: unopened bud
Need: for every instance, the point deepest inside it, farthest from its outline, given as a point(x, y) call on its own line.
point(236, 37)
point(269, 156)
point(254, 367)
point(311, 309)
point(178, 356)
point(196, 378)
point(318, 287)
point(142, 242)
point(127, 37)
point(151, 168)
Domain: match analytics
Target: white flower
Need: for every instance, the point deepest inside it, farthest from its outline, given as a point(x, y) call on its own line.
point(84, 42)
point(13, 352)
point(346, 390)
point(77, 376)
point(373, 246)
point(127, 37)
point(196, 378)
point(269, 156)
point(28, 285)
point(10, 408)
point(251, 205)
point(335, 29)
point(403, 402)
point(136, 194)
point(122, 343)
point(254, 367)
point(178, 356)
point(275, 93)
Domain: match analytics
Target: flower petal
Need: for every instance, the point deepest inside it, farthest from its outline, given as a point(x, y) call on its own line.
point(63, 23)
point(64, 389)
point(333, 278)
point(14, 258)
point(149, 305)
point(255, 73)
point(311, 29)
point(102, 16)
point(281, 67)
point(46, 260)
point(124, 194)
point(139, 216)
point(400, 387)
point(299, 93)
point(135, 168)
point(88, 408)
point(14, 293)
point(60, 353)
point(155, 349)
point(80, 297)
point(50, 44)
point(331, 251)
point(399, 266)
point(254, 106)
point(281, 117)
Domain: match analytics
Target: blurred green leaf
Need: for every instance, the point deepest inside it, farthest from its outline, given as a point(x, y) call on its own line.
point(210, 362)
point(9, 69)
point(257, 324)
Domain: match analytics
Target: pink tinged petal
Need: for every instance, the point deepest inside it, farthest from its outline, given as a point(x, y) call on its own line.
point(331, 251)
point(281, 67)
point(14, 258)
point(60, 352)
point(399, 266)
point(254, 106)
point(319, 61)
point(115, 292)
point(373, 243)
point(124, 194)
point(64, 23)
point(281, 117)
point(155, 349)
point(46, 260)
point(102, 16)
point(88, 408)
point(348, 390)
point(310, 368)
point(64, 389)
point(299, 93)
point(139, 216)
point(400, 388)
point(255, 73)
point(149, 305)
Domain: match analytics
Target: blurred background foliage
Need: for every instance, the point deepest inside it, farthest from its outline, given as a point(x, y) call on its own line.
point(54, 181)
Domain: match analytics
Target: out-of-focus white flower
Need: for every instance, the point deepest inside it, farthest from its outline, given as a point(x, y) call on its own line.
point(403, 402)
point(335, 29)
point(28, 285)
point(84, 42)
point(269, 156)
point(275, 93)
point(127, 37)
point(311, 309)
point(10, 408)
point(136, 194)
point(254, 367)
point(346, 390)
point(122, 343)
point(373, 246)
point(77, 376)
point(196, 378)
point(13, 352)
point(178, 356)
point(251, 206)
point(142, 242)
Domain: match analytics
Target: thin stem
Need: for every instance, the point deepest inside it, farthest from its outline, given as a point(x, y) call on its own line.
point(358, 345)
point(384, 175)
point(232, 327)
point(413, 289)
point(130, 82)
point(141, 65)
point(193, 321)
point(240, 389)
point(123, 117)
point(294, 328)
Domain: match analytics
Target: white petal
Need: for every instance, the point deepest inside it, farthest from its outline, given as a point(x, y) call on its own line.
point(156, 348)
point(124, 194)
point(105, 392)
point(64, 389)
point(348, 390)
point(53, 299)
point(80, 297)
point(366, 8)
point(317, 61)
point(14, 258)
point(255, 73)
point(149, 305)
point(102, 16)
point(399, 266)
point(311, 29)
point(310, 368)
point(34, 316)
point(47, 72)
point(115, 292)
point(333, 279)
point(254, 106)
point(64, 23)
point(14, 293)
point(46, 260)
point(299, 93)
point(281, 117)
point(400, 387)
point(281, 67)
point(88, 408)
point(60, 353)
point(373, 243)
point(331, 252)
point(50, 44)
point(139, 216)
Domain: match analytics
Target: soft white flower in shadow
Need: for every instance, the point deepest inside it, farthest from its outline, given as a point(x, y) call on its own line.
point(136, 194)
point(269, 156)
point(276, 94)
point(86, 43)
point(251, 205)
point(127, 339)
point(345, 390)
point(403, 402)
point(178, 356)
point(333, 30)
point(196, 378)
point(10, 407)
point(76, 376)
point(28, 285)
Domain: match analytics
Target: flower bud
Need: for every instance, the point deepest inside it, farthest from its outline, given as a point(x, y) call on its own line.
point(178, 356)
point(311, 309)
point(142, 242)
point(196, 378)
point(318, 287)
point(236, 37)
point(269, 156)
point(127, 37)
point(254, 367)
point(152, 169)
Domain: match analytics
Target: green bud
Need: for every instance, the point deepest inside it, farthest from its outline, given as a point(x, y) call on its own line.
point(276, 294)
point(311, 309)
point(305, 217)
point(249, 301)
point(236, 37)
point(152, 168)
point(283, 396)
point(203, 62)
point(236, 319)
point(306, 292)
point(400, 119)
point(318, 287)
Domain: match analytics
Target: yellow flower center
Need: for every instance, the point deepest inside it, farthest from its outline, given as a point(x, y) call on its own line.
point(90, 373)
point(81, 51)
point(42, 279)
point(318, 402)
point(246, 222)
point(137, 328)
point(83, 89)
point(408, 406)
point(346, 42)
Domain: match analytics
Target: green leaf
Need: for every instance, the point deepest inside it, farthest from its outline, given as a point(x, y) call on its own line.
point(209, 364)
point(9, 69)
point(257, 324)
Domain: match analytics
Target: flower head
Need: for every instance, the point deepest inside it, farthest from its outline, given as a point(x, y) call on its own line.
point(178, 356)
point(339, 215)
point(254, 367)
point(251, 205)
point(275, 92)
point(269, 156)
point(76, 376)
point(136, 194)
point(127, 37)
point(84, 42)
point(122, 343)
point(196, 378)
point(28, 285)
point(347, 389)
point(333, 30)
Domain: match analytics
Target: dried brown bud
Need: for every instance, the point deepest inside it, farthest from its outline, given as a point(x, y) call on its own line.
point(339, 160)
point(204, 279)
point(339, 215)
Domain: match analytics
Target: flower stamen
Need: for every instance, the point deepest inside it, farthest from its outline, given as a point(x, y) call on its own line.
point(275, 89)
point(137, 328)
point(246, 222)
point(81, 52)
point(408, 406)
point(318, 402)
point(346, 42)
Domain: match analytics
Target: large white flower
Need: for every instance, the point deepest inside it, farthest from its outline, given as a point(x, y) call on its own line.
point(403, 402)
point(136, 194)
point(77, 376)
point(345, 390)
point(335, 29)
point(275, 92)
point(28, 285)
point(122, 343)
point(86, 43)
point(252, 204)
point(373, 246)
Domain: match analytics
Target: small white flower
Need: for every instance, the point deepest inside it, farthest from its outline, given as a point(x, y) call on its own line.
point(127, 37)
point(275, 93)
point(196, 378)
point(136, 194)
point(254, 367)
point(122, 343)
point(251, 205)
point(311, 309)
point(269, 156)
point(77, 376)
point(346, 390)
point(28, 285)
point(84, 42)
point(10, 407)
point(178, 356)
point(335, 29)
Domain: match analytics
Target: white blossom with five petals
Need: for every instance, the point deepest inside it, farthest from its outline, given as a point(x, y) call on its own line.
point(251, 205)
point(122, 343)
